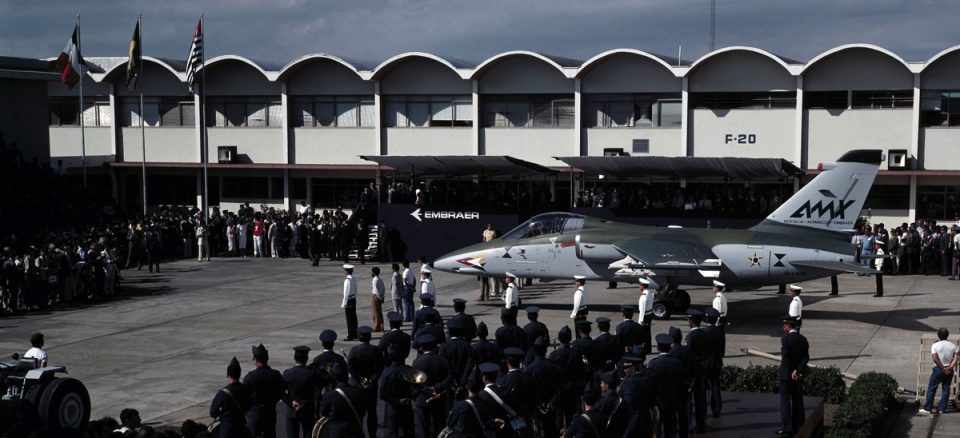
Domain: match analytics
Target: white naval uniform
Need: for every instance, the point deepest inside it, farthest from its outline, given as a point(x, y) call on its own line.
point(720, 304)
point(511, 299)
point(408, 278)
point(349, 291)
point(645, 304)
point(796, 308)
point(427, 289)
point(579, 301)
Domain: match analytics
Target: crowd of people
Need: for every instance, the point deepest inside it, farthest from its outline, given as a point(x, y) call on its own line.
point(923, 247)
point(693, 200)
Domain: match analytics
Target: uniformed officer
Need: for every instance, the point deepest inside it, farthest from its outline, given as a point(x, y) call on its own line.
point(409, 285)
point(460, 358)
point(795, 355)
point(518, 391)
point(427, 289)
point(396, 393)
point(720, 301)
point(230, 405)
point(266, 388)
point(580, 311)
point(303, 386)
point(572, 368)
point(469, 324)
point(344, 407)
point(698, 342)
point(465, 419)
point(541, 370)
point(511, 297)
point(668, 371)
point(328, 361)
point(366, 363)
point(685, 356)
point(638, 390)
point(491, 398)
point(628, 331)
point(535, 329)
point(349, 303)
point(796, 305)
point(430, 407)
point(483, 349)
point(715, 339)
point(589, 423)
point(607, 350)
point(611, 405)
point(645, 315)
point(509, 335)
point(583, 349)
point(420, 319)
point(395, 336)
point(431, 324)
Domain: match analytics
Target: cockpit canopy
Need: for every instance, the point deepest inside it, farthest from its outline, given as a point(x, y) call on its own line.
point(546, 223)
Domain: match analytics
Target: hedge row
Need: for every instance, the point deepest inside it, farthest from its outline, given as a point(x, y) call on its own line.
point(871, 396)
point(818, 382)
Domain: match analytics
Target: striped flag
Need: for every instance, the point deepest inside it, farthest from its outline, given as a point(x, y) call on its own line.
point(70, 62)
point(134, 58)
point(195, 57)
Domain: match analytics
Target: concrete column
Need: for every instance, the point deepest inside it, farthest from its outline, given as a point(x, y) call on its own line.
point(286, 190)
point(115, 126)
point(577, 119)
point(798, 127)
point(684, 117)
point(378, 121)
point(912, 212)
point(198, 120)
point(285, 126)
point(915, 125)
point(200, 189)
point(478, 148)
point(310, 191)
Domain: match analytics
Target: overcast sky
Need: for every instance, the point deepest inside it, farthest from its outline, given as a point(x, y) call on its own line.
point(372, 30)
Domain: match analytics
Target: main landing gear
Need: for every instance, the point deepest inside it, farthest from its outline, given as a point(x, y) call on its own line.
point(670, 301)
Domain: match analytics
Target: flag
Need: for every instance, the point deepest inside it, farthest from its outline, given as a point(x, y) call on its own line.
point(134, 58)
point(70, 62)
point(195, 57)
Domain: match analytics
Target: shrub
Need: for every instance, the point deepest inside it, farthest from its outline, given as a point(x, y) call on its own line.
point(826, 383)
point(819, 382)
point(871, 395)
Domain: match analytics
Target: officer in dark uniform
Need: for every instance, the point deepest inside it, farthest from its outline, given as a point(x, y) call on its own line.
point(316, 245)
point(483, 349)
point(638, 390)
point(433, 326)
point(685, 356)
point(611, 405)
point(699, 344)
point(396, 394)
point(715, 339)
point(518, 390)
point(303, 386)
point(421, 316)
point(795, 355)
point(571, 368)
point(542, 370)
point(589, 423)
point(535, 329)
point(329, 362)
point(607, 351)
point(510, 335)
point(628, 331)
point(492, 411)
point(230, 405)
point(668, 372)
point(366, 363)
point(266, 388)
point(395, 336)
point(583, 349)
point(465, 419)
point(430, 408)
point(468, 323)
point(344, 407)
point(460, 358)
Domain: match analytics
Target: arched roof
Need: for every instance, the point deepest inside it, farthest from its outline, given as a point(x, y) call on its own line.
point(603, 55)
point(379, 70)
point(783, 61)
point(317, 56)
point(159, 61)
point(941, 54)
point(555, 62)
point(873, 47)
point(248, 61)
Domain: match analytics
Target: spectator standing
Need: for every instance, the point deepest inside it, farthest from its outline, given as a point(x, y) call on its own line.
point(378, 294)
point(259, 230)
point(944, 356)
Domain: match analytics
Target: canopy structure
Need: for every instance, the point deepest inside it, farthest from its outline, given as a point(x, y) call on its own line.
point(460, 165)
point(687, 167)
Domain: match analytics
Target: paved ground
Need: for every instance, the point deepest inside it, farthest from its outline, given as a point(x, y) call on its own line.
point(163, 349)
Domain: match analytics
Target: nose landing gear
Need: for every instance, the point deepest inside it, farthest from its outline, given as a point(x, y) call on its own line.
point(670, 301)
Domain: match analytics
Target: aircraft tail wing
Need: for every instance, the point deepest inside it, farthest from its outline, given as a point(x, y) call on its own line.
point(832, 266)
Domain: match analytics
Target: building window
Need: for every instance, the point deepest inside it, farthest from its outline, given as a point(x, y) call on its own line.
point(938, 202)
point(157, 112)
point(881, 99)
point(888, 197)
point(633, 110)
point(332, 112)
point(240, 112)
point(760, 100)
point(528, 111)
point(428, 111)
point(835, 100)
point(64, 111)
point(940, 108)
point(246, 187)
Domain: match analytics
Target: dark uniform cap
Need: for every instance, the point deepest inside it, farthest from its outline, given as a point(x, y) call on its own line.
point(301, 353)
point(459, 301)
point(260, 353)
point(628, 309)
point(564, 334)
point(364, 330)
point(394, 316)
point(513, 352)
point(695, 315)
point(664, 339)
point(712, 314)
point(301, 349)
point(610, 378)
point(489, 368)
point(508, 312)
point(233, 370)
point(603, 320)
point(676, 334)
point(482, 329)
point(584, 324)
point(532, 310)
point(426, 300)
point(787, 319)
point(328, 336)
point(634, 356)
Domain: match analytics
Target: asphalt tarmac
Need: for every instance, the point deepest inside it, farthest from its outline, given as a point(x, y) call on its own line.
point(163, 348)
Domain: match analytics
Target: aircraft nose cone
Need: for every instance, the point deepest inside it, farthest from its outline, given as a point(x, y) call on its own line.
point(446, 263)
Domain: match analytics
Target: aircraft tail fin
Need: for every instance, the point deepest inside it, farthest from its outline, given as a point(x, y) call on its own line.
point(833, 200)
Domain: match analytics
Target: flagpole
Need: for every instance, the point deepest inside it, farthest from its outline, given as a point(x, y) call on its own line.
point(204, 152)
point(83, 138)
point(143, 134)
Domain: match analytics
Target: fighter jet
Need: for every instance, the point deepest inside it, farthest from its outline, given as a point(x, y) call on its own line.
point(807, 237)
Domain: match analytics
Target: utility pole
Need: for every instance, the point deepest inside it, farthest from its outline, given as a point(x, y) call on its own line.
point(713, 25)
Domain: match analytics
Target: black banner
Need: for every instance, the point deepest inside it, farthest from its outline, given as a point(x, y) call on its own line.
point(430, 232)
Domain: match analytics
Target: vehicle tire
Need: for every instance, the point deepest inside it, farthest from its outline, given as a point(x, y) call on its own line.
point(680, 301)
point(661, 310)
point(65, 407)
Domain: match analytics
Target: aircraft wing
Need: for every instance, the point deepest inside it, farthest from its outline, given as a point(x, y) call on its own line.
point(668, 257)
point(833, 266)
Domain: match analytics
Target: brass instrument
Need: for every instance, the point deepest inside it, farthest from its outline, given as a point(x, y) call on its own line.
point(414, 376)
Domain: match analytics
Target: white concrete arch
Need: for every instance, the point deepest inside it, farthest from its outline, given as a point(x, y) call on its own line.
point(940, 54)
point(601, 56)
point(379, 70)
point(723, 50)
point(107, 74)
point(837, 49)
point(317, 56)
point(248, 61)
point(489, 61)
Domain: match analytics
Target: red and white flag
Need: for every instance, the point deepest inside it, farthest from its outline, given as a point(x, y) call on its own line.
point(195, 57)
point(70, 62)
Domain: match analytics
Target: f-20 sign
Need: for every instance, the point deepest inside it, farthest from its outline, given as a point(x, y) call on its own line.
point(740, 139)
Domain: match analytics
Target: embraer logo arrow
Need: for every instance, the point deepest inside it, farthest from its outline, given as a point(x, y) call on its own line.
point(416, 215)
point(834, 210)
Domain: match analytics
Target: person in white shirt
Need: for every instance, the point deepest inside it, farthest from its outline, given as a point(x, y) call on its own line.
point(645, 315)
point(426, 284)
point(377, 296)
point(36, 352)
point(720, 301)
point(879, 253)
point(349, 303)
point(273, 233)
point(580, 311)
point(242, 237)
point(409, 285)
point(944, 356)
point(511, 298)
point(396, 289)
point(796, 305)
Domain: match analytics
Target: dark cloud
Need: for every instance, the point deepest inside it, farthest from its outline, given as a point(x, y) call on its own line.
point(279, 30)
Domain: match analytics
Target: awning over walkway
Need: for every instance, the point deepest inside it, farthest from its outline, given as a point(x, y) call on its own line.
point(460, 165)
point(690, 167)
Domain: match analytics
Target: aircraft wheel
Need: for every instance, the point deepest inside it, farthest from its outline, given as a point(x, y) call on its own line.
point(65, 407)
point(680, 301)
point(661, 310)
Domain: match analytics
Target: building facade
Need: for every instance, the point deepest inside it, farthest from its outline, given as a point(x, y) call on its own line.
point(296, 132)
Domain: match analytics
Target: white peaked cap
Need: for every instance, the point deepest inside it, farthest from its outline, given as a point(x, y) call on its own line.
point(347, 266)
point(718, 283)
point(510, 275)
point(643, 281)
point(796, 288)
point(425, 270)
point(579, 277)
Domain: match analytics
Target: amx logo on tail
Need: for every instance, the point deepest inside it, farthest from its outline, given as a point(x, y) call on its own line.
point(835, 210)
